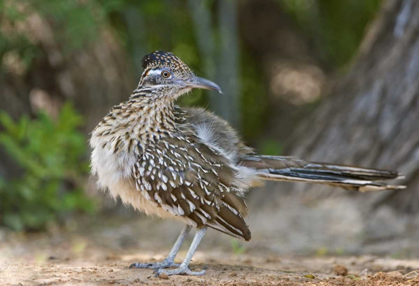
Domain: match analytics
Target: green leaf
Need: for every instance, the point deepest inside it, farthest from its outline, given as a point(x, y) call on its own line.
point(52, 156)
point(13, 221)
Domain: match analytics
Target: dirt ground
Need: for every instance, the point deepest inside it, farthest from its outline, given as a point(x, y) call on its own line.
point(95, 254)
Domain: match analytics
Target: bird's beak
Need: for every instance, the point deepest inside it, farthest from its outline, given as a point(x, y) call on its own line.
point(199, 82)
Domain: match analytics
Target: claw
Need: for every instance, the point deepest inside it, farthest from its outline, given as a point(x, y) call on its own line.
point(140, 265)
point(182, 270)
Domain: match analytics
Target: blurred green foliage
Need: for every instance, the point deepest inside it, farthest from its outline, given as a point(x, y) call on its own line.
point(271, 147)
point(53, 168)
point(78, 21)
point(237, 247)
point(336, 27)
point(10, 39)
point(253, 98)
point(77, 24)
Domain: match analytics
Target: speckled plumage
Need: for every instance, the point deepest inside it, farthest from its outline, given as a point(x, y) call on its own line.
point(173, 160)
point(188, 164)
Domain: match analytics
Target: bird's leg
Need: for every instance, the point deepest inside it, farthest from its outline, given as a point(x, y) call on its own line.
point(184, 267)
point(169, 261)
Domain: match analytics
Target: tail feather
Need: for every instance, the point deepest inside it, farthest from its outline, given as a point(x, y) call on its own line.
point(280, 168)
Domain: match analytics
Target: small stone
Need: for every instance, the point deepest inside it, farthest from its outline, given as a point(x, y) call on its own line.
point(379, 275)
point(163, 276)
point(272, 260)
point(364, 272)
point(394, 274)
point(340, 270)
point(248, 261)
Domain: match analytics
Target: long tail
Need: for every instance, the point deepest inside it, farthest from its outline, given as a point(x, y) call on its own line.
point(280, 168)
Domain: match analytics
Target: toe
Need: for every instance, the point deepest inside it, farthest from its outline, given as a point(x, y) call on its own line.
point(194, 273)
point(134, 265)
point(178, 271)
point(141, 265)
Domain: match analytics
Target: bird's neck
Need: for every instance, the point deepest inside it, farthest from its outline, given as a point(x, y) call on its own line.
point(152, 118)
point(136, 123)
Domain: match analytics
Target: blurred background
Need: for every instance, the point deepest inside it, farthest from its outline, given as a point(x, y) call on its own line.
point(325, 80)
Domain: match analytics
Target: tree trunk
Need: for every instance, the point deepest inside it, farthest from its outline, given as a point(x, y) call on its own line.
point(370, 117)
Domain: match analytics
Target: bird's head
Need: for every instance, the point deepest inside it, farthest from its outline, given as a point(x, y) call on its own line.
point(165, 75)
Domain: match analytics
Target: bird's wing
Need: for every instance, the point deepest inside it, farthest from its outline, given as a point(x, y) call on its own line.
point(214, 131)
point(187, 178)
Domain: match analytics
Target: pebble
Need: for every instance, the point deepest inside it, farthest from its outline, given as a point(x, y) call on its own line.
point(340, 270)
point(163, 276)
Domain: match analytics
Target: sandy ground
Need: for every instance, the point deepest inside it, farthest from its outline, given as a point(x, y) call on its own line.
point(95, 254)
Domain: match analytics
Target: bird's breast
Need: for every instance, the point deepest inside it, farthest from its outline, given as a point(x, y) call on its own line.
point(116, 150)
point(112, 160)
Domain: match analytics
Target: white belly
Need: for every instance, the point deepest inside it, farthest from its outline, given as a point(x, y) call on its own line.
point(109, 167)
point(114, 174)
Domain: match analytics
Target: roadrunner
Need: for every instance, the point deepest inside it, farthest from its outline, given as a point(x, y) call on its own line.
point(188, 164)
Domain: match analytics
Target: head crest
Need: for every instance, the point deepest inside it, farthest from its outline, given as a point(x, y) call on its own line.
point(161, 59)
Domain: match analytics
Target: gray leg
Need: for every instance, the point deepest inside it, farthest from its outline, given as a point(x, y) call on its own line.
point(184, 267)
point(169, 261)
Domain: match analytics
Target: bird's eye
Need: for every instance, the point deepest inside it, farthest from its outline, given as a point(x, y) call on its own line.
point(165, 74)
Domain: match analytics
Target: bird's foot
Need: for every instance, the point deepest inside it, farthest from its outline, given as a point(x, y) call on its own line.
point(181, 270)
point(158, 265)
